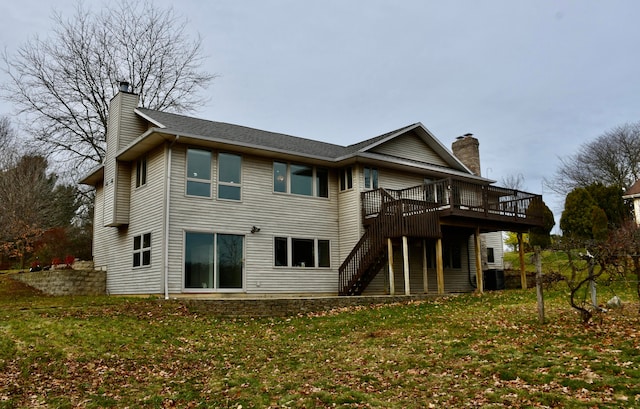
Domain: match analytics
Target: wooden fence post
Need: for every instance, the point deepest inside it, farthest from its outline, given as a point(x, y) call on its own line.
point(539, 292)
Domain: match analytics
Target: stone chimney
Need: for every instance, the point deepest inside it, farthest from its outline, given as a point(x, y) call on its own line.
point(467, 149)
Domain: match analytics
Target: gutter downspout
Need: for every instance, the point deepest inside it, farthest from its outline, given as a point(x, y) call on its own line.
point(167, 202)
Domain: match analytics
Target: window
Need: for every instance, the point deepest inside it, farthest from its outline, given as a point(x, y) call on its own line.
point(142, 250)
point(229, 176)
point(452, 255)
point(280, 252)
point(289, 251)
point(141, 172)
point(490, 256)
point(198, 172)
point(370, 178)
point(213, 261)
point(346, 178)
point(279, 177)
point(300, 179)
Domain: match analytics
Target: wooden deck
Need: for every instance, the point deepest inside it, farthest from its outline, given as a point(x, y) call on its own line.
point(421, 211)
point(459, 202)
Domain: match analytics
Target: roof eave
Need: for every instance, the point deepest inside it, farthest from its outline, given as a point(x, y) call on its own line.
point(94, 176)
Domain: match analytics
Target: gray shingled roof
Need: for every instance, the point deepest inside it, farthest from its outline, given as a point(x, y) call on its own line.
point(241, 134)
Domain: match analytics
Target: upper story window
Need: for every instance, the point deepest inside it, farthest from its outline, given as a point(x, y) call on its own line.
point(198, 172)
point(370, 178)
point(346, 178)
point(141, 171)
point(300, 179)
point(229, 176)
point(142, 250)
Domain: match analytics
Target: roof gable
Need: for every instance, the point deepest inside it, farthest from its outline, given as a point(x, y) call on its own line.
point(414, 142)
point(410, 146)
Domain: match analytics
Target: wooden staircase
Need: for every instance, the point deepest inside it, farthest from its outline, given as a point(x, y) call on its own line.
point(418, 211)
point(395, 218)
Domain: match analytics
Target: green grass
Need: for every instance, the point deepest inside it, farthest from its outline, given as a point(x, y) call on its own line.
point(462, 351)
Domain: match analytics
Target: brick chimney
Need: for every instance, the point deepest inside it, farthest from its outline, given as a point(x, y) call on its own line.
point(467, 149)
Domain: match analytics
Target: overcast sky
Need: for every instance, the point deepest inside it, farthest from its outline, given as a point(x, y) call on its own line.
point(532, 80)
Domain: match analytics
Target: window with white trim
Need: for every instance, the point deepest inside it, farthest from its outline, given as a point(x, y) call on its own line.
point(229, 176)
point(370, 178)
point(301, 252)
point(213, 261)
point(198, 172)
point(142, 250)
point(141, 171)
point(302, 180)
point(346, 178)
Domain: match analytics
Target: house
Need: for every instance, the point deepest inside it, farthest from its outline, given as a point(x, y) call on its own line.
point(633, 194)
point(186, 207)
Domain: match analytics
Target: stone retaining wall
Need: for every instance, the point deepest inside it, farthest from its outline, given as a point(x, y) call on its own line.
point(271, 307)
point(66, 282)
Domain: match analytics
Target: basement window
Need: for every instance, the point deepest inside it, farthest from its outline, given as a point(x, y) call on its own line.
point(142, 250)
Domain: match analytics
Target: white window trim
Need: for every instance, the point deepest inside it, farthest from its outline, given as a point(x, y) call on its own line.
point(233, 184)
point(215, 265)
point(347, 188)
point(189, 179)
point(142, 250)
point(314, 181)
point(139, 174)
point(371, 184)
point(316, 253)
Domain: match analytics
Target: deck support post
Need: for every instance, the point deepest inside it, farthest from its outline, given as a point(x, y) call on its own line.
point(439, 267)
point(424, 267)
point(392, 284)
point(405, 265)
point(523, 273)
point(479, 276)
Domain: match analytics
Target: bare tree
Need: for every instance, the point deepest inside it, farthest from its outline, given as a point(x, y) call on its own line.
point(612, 159)
point(512, 181)
point(63, 82)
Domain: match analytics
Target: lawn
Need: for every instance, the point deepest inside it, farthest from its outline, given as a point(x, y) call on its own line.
point(461, 351)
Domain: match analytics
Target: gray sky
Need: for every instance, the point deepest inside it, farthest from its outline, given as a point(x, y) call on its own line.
point(532, 80)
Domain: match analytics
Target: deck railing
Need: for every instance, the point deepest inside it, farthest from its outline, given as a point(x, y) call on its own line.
point(459, 196)
point(395, 218)
point(417, 211)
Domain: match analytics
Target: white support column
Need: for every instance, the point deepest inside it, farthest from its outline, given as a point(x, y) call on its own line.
point(424, 267)
point(405, 259)
point(392, 283)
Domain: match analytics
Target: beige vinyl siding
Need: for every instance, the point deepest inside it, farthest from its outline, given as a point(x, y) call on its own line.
point(122, 192)
point(123, 127)
point(99, 249)
point(276, 214)
point(494, 240)
point(410, 146)
point(113, 246)
point(393, 179)
point(349, 215)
